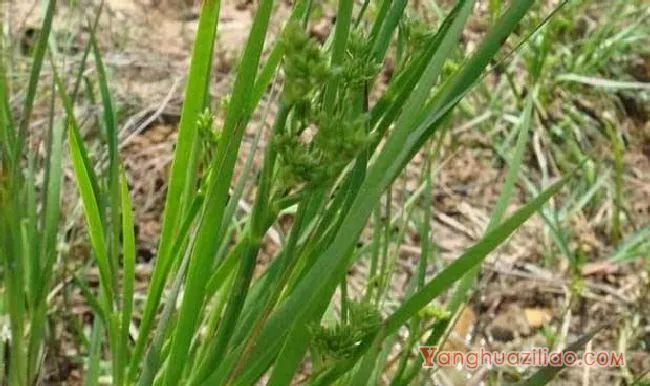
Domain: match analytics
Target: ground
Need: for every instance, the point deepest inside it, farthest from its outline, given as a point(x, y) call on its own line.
point(528, 295)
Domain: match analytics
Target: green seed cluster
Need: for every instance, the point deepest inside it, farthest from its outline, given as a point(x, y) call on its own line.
point(417, 32)
point(305, 65)
point(318, 143)
point(204, 125)
point(317, 160)
point(359, 66)
point(209, 139)
point(340, 341)
point(435, 313)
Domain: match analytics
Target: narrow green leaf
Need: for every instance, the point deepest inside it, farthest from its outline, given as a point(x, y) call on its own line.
point(72, 125)
point(94, 356)
point(388, 27)
point(634, 246)
point(7, 130)
point(128, 277)
point(270, 68)
point(514, 165)
point(113, 182)
point(32, 85)
point(341, 33)
point(472, 257)
point(91, 212)
point(107, 103)
point(217, 192)
point(84, 58)
point(152, 359)
point(193, 105)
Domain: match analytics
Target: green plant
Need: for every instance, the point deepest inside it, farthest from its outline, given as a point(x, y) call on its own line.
point(333, 153)
point(28, 220)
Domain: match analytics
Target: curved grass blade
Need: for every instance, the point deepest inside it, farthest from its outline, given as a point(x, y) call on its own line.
point(94, 356)
point(113, 182)
point(151, 363)
point(634, 246)
point(7, 130)
point(52, 203)
point(73, 126)
point(388, 27)
point(341, 33)
point(270, 68)
point(107, 103)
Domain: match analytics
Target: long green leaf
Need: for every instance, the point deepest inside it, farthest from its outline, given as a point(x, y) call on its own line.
point(128, 277)
point(37, 64)
point(471, 258)
point(151, 362)
point(91, 212)
point(73, 125)
point(195, 94)
point(217, 192)
point(502, 202)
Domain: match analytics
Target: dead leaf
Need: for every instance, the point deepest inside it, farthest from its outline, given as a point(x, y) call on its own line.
point(538, 317)
point(599, 268)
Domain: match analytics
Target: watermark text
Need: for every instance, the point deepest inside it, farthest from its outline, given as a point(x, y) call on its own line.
point(536, 357)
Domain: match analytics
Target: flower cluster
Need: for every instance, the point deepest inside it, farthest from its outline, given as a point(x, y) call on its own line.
point(317, 150)
point(315, 145)
point(209, 137)
point(305, 65)
point(417, 33)
point(341, 341)
point(209, 141)
point(359, 66)
point(434, 313)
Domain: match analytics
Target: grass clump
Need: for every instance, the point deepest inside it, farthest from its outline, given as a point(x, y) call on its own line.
point(338, 142)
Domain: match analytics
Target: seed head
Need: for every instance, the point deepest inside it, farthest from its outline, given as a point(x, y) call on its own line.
point(359, 66)
point(305, 65)
point(341, 341)
point(316, 150)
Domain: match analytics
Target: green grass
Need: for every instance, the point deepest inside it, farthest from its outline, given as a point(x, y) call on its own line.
point(222, 324)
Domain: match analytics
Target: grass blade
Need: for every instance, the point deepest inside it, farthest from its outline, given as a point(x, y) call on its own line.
point(195, 95)
point(128, 277)
point(37, 64)
point(151, 362)
point(472, 257)
point(514, 165)
point(91, 212)
point(216, 195)
point(113, 182)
